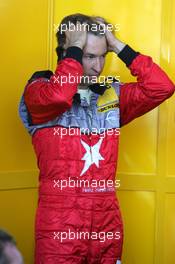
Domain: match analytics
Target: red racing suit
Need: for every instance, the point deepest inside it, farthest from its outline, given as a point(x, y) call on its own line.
point(80, 222)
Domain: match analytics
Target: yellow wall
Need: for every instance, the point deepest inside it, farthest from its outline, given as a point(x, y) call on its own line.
point(146, 163)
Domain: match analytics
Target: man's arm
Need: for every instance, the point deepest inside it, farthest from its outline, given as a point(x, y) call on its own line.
point(153, 86)
point(46, 99)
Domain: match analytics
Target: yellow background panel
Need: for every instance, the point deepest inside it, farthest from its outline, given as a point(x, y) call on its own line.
point(17, 217)
point(169, 229)
point(138, 209)
point(171, 140)
point(168, 59)
point(24, 26)
point(146, 164)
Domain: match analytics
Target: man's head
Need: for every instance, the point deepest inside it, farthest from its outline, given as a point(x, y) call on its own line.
point(94, 51)
point(9, 254)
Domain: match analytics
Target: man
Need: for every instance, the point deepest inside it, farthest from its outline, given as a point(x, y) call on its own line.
point(9, 254)
point(75, 133)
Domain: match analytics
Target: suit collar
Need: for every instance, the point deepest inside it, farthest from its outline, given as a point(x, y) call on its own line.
point(96, 88)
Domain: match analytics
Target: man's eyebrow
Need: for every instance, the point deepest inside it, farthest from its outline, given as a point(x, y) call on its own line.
point(91, 54)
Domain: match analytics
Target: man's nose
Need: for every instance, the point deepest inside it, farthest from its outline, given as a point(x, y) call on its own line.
point(97, 65)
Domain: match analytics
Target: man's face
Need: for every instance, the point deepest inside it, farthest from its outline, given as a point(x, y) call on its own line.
point(94, 54)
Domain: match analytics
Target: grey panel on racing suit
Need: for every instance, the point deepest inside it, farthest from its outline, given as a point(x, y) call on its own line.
point(98, 114)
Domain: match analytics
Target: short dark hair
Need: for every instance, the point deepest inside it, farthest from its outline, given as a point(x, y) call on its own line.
point(4, 239)
point(91, 21)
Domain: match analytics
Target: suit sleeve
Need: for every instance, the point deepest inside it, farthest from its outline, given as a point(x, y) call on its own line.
point(153, 86)
point(46, 99)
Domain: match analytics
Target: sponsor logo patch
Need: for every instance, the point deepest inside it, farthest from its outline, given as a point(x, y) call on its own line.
point(108, 101)
point(108, 107)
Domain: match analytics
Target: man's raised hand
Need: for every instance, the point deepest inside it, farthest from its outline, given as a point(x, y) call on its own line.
point(76, 35)
point(114, 44)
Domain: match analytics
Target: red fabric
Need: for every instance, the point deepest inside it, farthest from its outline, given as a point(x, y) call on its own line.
point(72, 208)
point(46, 100)
point(152, 87)
point(61, 158)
